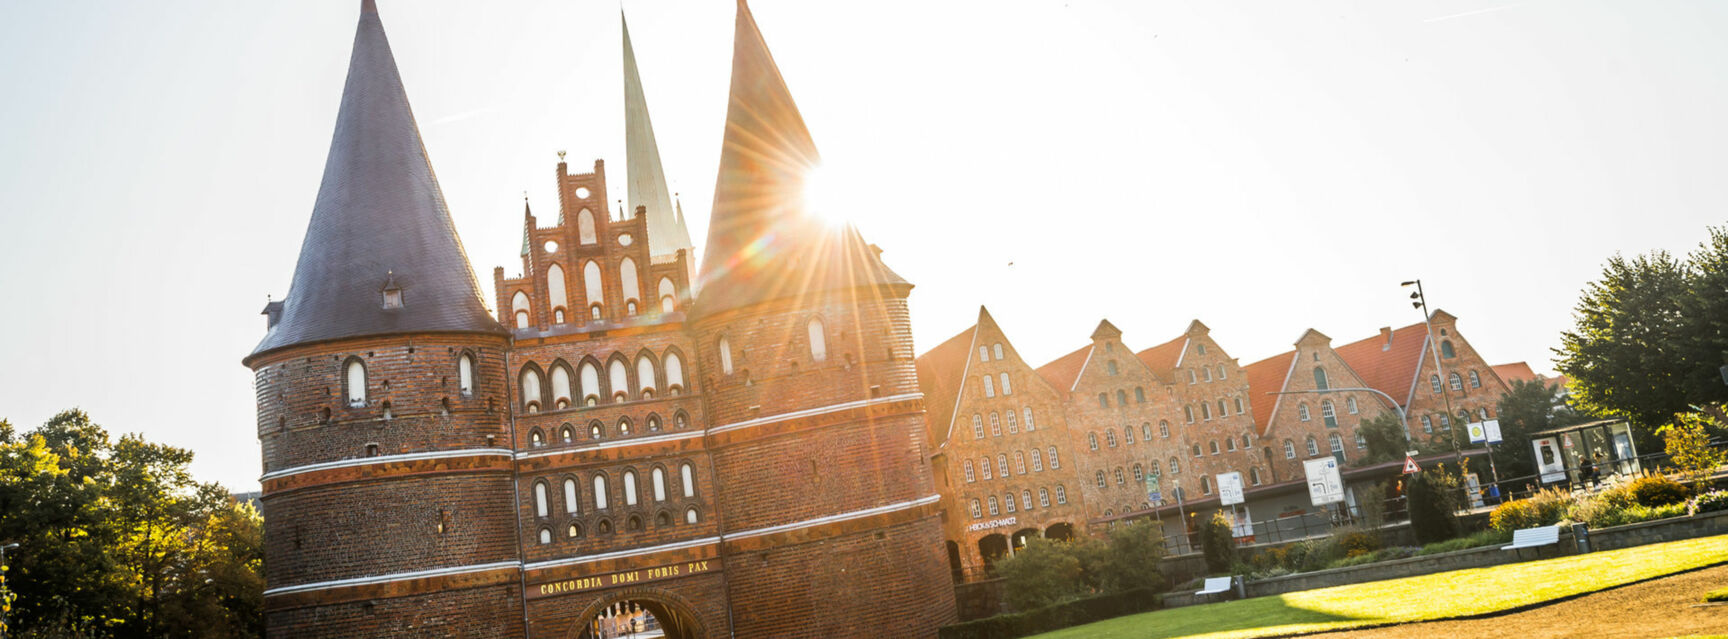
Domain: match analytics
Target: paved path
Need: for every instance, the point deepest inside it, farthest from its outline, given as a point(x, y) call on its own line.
point(1665, 607)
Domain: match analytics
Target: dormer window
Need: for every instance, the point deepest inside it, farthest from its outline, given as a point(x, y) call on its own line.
point(392, 292)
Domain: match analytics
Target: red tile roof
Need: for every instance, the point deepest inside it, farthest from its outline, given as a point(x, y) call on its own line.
point(1062, 372)
point(1515, 370)
point(1265, 377)
point(941, 375)
point(1392, 369)
point(1162, 358)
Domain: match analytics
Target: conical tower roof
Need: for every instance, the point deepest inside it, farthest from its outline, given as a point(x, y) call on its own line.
point(666, 232)
point(762, 243)
point(379, 216)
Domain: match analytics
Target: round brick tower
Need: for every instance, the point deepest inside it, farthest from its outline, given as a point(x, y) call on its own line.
point(829, 513)
point(381, 399)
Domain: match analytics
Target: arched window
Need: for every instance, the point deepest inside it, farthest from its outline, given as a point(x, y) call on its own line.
point(1328, 414)
point(557, 297)
point(1175, 466)
point(530, 389)
point(624, 426)
point(977, 426)
point(1212, 446)
point(674, 373)
point(1061, 494)
point(995, 424)
point(976, 511)
point(1320, 378)
point(1197, 452)
point(545, 535)
point(1092, 441)
point(1103, 400)
point(585, 227)
point(1037, 461)
point(1361, 442)
point(1146, 431)
point(818, 340)
point(983, 353)
point(1013, 422)
point(645, 375)
point(998, 349)
point(1254, 476)
point(1289, 449)
point(1475, 380)
point(687, 478)
point(596, 430)
point(1139, 473)
point(985, 467)
point(536, 438)
point(1027, 413)
point(1006, 388)
point(1205, 485)
point(995, 506)
point(1427, 424)
point(668, 295)
point(589, 375)
point(690, 516)
point(970, 477)
point(1020, 462)
point(519, 309)
point(1446, 349)
point(1350, 405)
point(1164, 428)
point(1008, 498)
point(1245, 444)
point(570, 501)
point(1025, 499)
point(1043, 497)
point(1098, 478)
point(1110, 438)
point(1229, 444)
point(574, 531)
point(1152, 468)
point(653, 423)
point(1121, 478)
point(600, 492)
point(1238, 406)
point(1002, 465)
point(465, 375)
point(1482, 413)
point(989, 386)
point(1205, 411)
point(1302, 412)
point(560, 387)
point(1110, 367)
point(595, 287)
point(1457, 382)
point(1188, 411)
point(1336, 442)
point(1054, 463)
point(540, 507)
point(1434, 382)
point(659, 478)
point(1121, 397)
point(356, 382)
point(567, 434)
point(618, 376)
point(1222, 409)
point(628, 281)
point(629, 488)
point(724, 346)
point(1313, 446)
point(1127, 434)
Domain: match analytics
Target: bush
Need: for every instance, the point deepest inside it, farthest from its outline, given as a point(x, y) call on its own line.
point(1042, 573)
point(1545, 508)
point(1218, 545)
point(1054, 617)
point(1483, 538)
point(1711, 502)
point(1356, 543)
point(1432, 495)
point(1606, 508)
point(1658, 490)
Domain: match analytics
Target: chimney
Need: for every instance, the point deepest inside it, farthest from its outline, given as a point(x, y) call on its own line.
point(1385, 338)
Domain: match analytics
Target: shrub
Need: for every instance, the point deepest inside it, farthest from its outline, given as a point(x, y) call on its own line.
point(1356, 543)
point(1606, 508)
point(1042, 573)
point(1129, 559)
point(1545, 508)
point(1218, 545)
point(1433, 497)
point(1711, 501)
point(1658, 490)
point(1054, 617)
point(1483, 538)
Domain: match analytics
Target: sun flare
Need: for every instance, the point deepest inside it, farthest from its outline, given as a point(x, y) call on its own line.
point(825, 199)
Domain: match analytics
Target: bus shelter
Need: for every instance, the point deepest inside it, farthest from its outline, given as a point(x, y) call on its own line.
point(1585, 451)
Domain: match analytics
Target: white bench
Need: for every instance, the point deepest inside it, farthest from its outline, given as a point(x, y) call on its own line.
point(1214, 586)
point(1533, 538)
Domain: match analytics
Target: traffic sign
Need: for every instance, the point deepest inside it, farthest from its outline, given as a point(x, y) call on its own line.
point(1410, 467)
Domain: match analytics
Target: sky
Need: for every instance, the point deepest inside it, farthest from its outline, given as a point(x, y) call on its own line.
point(1263, 166)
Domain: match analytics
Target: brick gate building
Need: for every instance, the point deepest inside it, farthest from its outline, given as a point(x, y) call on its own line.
point(736, 453)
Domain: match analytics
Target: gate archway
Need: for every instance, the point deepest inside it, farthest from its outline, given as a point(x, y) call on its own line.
point(636, 612)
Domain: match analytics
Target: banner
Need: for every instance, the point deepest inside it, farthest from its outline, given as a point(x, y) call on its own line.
point(1325, 484)
point(1152, 493)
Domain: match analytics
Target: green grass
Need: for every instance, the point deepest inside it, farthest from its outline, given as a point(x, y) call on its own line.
point(1720, 594)
point(1438, 596)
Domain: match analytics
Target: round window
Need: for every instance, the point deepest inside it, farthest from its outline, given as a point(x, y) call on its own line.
point(582, 192)
point(551, 246)
point(624, 239)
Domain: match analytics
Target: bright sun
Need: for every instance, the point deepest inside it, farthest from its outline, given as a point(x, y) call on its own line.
point(825, 198)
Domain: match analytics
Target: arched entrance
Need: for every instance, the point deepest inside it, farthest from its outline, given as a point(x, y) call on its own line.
point(638, 612)
point(1020, 537)
point(991, 548)
point(1062, 531)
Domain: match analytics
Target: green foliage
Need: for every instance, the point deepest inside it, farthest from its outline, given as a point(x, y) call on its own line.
point(1544, 508)
point(1710, 502)
point(1385, 437)
point(116, 539)
point(1649, 336)
point(1433, 496)
point(1054, 617)
point(1130, 558)
point(1217, 544)
point(1042, 573)
point(1688, 446)
point(1046, 572)
point(1530, 406)
point(1657, 490)
point(1474, 540)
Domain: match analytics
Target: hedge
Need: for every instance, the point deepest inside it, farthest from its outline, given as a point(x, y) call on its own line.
point(1055, 616)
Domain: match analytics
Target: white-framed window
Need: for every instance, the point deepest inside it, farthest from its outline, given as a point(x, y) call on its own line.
point(1110, 438)
point(1328, 414)
point(1336, 442)
point(1027, 413)
point(1164, 428)
point(1188, 411)
point(1302, 412)
point(977, 426)
point(540, 506)
point(687, 477)
point(1025, 499)
point(545, 536)
point(1212, 446)
point(1121, 478)
point(1313, 446)
point(1020, 462)
point(724, 347)
point(1475, 380)
point(1127, 434)
point(995, 506)
point(1175, 466)
point(1254, 476)
point(995, 424)
point(998, 349)
point(1092, 441)
point(1013, 422)
point(976, 511)
point(570, 503)
point(1139, 473)
point(1427, 424)
point(1434, 383)
point(989, 386)
point(659, 479)
point(1350, 405)
point(1457, 382)
point(465, 374)
point(629, 488)
point(986, 468)
point(1289, 449)
point(1193, 378)
point(970, 477)
point(1098, 478)
point(600, 492)
point(1043, 497)
point(983, 353)
point(1205, 485)
point(818, 340)
point(1054, 463)
point(691, 516)
point(1009, 505)
point(1061, 494)
point(1361, 442)
point(1205, 411)
point(1002, 465)
point(1037, 461)
point(1006, 388)
point(356, 382)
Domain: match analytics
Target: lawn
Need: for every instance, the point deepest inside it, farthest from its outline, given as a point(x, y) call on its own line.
point(1438, 596)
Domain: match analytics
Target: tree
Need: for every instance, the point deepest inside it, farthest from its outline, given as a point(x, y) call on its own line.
point(1042, 573)
point(1650, 336)
point(1132, 554)
point(116, 539)
point(1529, 407)
point(1217, 544)
point(1433, 496)
point(1688, 445)
point(1385, 437)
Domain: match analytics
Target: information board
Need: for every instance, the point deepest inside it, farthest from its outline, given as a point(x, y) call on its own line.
point(1229, 488)
point(1325, 484)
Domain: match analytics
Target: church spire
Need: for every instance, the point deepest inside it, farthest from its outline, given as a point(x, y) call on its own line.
point(762, 244)
point(379, 217)
point(666, 232)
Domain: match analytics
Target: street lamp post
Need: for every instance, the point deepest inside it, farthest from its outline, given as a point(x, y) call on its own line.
point(1403, 420)
point(1421, 302)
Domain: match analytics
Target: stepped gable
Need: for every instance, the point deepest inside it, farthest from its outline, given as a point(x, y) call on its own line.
point(379, 218)
point(763, 244)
